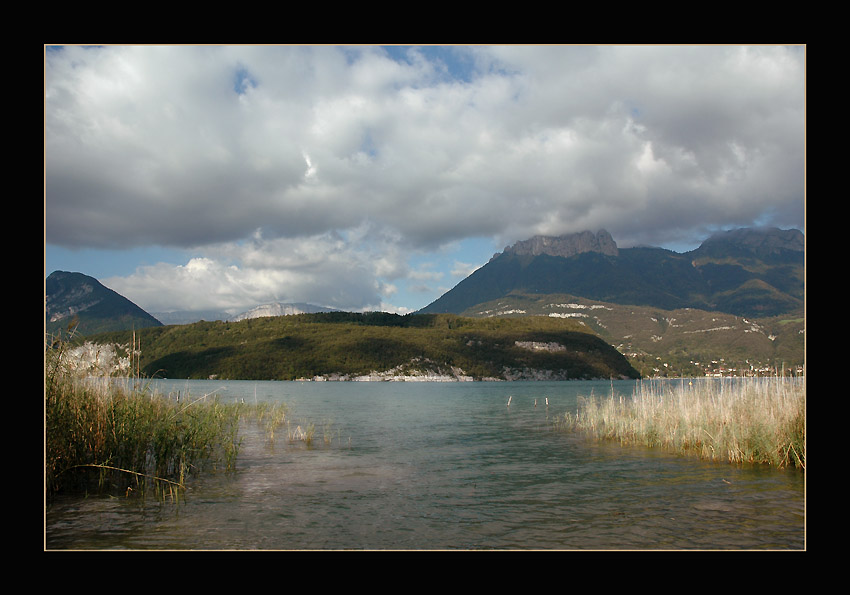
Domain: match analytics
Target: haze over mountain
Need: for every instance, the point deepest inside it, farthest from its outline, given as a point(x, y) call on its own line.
point(272, 309)
point(745, 272)
point(72, 296)
point(190, 316)
point(280, 309)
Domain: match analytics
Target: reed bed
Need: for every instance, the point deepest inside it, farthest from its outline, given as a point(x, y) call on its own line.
point(741, 420)
point(111, 433)
point(106, 430)
point(107, 436)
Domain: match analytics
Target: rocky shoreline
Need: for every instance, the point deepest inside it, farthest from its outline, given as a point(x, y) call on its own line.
point(408, 374)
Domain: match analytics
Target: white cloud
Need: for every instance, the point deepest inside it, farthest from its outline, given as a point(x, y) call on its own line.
point(320, 270)
point(347, 159)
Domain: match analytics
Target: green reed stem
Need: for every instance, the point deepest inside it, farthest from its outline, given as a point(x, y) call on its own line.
point(105, 433)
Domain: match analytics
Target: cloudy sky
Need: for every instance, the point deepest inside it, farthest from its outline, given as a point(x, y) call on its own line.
point(377, 178)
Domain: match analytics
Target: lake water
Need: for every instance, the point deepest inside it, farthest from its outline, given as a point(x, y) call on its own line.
point(413, 466)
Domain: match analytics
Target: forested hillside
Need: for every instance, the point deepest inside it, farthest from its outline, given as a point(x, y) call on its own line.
point(348, 345)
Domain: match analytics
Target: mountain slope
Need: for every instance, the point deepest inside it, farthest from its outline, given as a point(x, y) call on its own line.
point(75, 298)
point(747, 272)
point(683, 341)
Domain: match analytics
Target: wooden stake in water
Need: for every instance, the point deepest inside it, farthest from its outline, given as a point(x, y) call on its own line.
point(509, 400)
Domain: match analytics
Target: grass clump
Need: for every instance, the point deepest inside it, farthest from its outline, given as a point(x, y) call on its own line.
point(109, 433)
point(744, 420)
point(269, 416)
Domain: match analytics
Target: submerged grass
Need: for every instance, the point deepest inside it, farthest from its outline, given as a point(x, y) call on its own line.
point(742, 420)
point(269, 416)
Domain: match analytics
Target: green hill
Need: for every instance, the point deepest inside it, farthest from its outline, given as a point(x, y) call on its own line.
point(346, 346)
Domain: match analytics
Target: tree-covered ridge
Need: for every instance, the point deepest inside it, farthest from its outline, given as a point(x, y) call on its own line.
point(355, 344)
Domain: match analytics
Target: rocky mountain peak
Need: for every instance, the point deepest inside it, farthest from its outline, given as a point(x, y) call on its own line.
point(566, 245)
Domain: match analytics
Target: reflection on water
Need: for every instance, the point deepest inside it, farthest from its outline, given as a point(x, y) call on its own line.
point(444, 466)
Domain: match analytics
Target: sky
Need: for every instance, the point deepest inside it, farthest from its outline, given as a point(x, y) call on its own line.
point(377, 178)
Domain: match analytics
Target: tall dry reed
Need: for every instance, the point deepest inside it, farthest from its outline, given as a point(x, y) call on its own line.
point(114, 434)
point(742, 420)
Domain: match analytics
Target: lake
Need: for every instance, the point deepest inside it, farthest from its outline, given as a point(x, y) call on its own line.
point(442, 466)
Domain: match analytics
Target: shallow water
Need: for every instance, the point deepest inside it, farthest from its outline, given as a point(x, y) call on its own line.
point(443, 466)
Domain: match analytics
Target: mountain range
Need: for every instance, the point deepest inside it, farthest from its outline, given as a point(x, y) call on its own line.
point(81, 302)
point(739, 297)
point(734, 305)
point(744, 272)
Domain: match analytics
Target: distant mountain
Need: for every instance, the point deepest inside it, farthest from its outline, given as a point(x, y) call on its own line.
point(280, 309)
point(745, 272)
point(75, 299)
point(190, 316)
point(273, 309)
